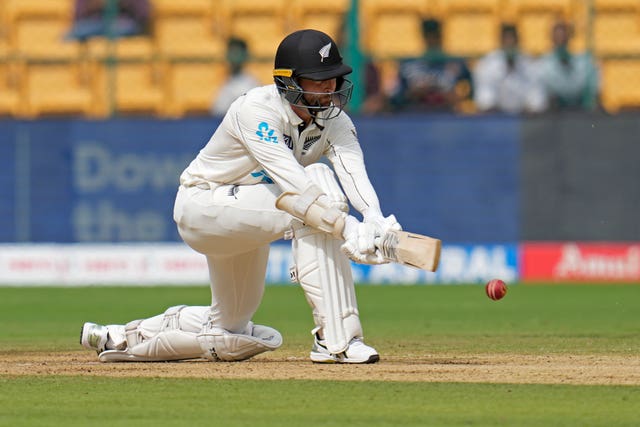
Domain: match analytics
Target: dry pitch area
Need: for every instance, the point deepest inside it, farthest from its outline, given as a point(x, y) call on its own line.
point(485, 368)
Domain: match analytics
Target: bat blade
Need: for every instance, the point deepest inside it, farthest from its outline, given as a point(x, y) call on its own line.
point(411, 249)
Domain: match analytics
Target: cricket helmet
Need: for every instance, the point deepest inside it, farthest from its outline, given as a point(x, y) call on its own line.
point(313, 55)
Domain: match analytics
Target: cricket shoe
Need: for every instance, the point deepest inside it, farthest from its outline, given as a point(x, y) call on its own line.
point(94, 337)
point(357, 352)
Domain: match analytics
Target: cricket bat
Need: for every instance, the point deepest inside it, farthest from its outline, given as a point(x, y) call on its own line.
point(401, 247)
point(411, 249)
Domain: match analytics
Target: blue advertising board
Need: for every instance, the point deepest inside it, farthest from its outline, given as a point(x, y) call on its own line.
point(452, 177)
point(72, 180)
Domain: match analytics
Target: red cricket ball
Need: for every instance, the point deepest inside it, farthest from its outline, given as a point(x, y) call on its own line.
point(496, 289)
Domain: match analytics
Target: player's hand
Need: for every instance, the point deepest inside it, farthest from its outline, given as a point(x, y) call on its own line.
point(359, 243)
point(381, 224)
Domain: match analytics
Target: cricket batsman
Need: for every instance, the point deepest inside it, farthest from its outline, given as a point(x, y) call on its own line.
point(260, 179)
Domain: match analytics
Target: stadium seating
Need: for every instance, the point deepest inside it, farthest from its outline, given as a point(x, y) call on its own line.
point(391, 28)
point(471, 27)
point(326, 15)
point(621, 84)
point(262, 70)
point(9, 84)
point(110, 62)
point(50, 76)
point(139, 88)
point(182, 7)
point(261, 24)
point(535, 19)
point(187, 37)
point(179, 67)
point(139, 47)
point(55, 88)
point(192, 86)
point(4, 25)
point(187, 29)
point(616, 27)
point(37, 28)
point(9, 89)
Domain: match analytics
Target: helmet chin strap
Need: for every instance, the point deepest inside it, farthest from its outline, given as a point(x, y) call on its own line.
point(313, 111)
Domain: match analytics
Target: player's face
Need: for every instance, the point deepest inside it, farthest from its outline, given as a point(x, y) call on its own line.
point(318, 91)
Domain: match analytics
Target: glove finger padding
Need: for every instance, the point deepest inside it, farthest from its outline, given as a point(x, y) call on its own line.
point(361, 236)
point(351, 250)
point(359, 243)
point(382, 224)
point(391, 223)
point(366, 238)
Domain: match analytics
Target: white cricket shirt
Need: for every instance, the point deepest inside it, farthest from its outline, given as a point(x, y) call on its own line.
point(260, 140)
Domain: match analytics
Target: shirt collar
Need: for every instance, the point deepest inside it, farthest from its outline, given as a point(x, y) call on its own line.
point(294, 119)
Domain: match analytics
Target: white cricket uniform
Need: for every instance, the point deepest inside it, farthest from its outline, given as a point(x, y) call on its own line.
point(225, 207)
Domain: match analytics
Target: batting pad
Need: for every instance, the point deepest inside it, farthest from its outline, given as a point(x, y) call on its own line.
point(171, 342)
point(221, 345)
point(324, 273)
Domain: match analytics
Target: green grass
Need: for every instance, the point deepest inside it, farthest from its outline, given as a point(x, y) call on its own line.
point(530, 319)
point(398, 320)
point(77, 401)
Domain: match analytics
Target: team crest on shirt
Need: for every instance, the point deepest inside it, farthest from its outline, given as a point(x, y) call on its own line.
point(266, 134)
point(308, 143)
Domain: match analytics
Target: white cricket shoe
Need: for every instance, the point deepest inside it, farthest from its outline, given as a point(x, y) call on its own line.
point(94, 337)
point(357, 352)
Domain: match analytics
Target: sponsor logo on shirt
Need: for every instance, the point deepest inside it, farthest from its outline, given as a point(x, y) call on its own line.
point(263, 176)
point(266, 134)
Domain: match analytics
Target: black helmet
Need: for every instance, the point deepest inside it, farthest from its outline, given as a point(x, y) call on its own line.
point(312, 55)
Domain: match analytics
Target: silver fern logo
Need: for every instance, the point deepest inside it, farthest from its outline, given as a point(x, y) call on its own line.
point(324, 52)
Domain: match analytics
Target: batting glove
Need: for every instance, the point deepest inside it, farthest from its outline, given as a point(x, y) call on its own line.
point(359, 243)
point(382, 224)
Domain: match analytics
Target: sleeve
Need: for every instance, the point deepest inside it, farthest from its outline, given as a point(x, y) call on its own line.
point(485, 93)
point(261, 130)
point(346, 156)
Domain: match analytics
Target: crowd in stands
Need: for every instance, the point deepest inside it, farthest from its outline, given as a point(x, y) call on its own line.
point(238, 81)
point(505, 80)
point(91, 19)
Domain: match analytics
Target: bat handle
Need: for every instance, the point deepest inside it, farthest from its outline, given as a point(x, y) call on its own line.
point(387, 245)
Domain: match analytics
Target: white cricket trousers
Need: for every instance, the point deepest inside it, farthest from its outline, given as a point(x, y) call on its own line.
point(233, 227)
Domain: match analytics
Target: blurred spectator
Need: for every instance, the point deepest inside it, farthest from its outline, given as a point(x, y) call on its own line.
point(238, 81)
point(435, 81)
point(570, 80)
point(374, 99)
point(90, 19)
point(506, 79)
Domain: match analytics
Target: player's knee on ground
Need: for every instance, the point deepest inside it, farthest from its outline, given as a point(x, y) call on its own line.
point(172, 342)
